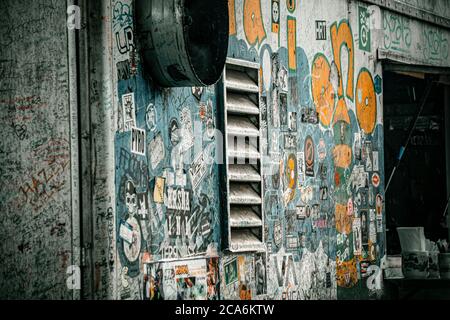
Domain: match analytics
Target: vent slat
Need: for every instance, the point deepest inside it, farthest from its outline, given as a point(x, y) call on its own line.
point(238, 172)
point(240, 81)
point(241, 126)
point(243, 151)
point(244, 194)
point(244, 217)
point(241, 104)
point(245, 240)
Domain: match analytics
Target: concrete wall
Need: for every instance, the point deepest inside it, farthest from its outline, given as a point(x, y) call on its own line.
point(35, 151)
point(411, 41)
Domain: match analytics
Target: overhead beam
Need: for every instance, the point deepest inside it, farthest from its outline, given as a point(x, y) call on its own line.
point(411, 11)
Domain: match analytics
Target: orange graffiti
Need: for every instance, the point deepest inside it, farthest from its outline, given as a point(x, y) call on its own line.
point(323, 93)
point(346, 273)
point(291, 172)
point(253, 22)
point(342, 153)
point(292, 43)
point(342, 156)
point(341, 113)
point(261, 80)
point(341, 36)
point(343, 220)
point(232, 17)
point(366, 102)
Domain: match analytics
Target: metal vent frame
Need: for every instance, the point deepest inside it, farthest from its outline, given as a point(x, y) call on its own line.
point(242, 171)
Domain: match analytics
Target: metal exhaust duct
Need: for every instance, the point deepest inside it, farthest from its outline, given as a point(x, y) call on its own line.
point(184, 43)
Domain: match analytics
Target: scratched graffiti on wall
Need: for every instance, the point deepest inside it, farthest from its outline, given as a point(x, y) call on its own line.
point(35, 200)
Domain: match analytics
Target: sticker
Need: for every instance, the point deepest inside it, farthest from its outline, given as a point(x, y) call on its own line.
point(277, 233)
point(283, 79)
point(180, 179)
point(364, 227)
point(323, 171)
point(292, 121)
point(132, 249)
point(372, 232)
point(126, 232)
point(321, 30)
point(306, 194)
point(380, 226)
point(142, 211)
point(292, 242)
point(158, 194)
point(364, 266)
point(372, 215)
point(260, 274)
point(177, 199)
point(301, 162)
point(129, 111)
point(322, 150)
point(138, 141)
point(275, 108)
point(283, 109)
point(231, 272)
point(170, 178)
point(376, 180)
point(357, 237)
point(324, 193)
point(379, 206)
point(197, 92)
point(358, 177)
point(367, 155)
point(150, 117)
point(157, 151)
point(309, 115)
point(290, 141)
point(198, 170)
point(376, 165)
point(350, 207)
point(364, 29)
point(174, 132)
point(275, 16)
point(309, 156)
point(301, 212)
point(187, 136)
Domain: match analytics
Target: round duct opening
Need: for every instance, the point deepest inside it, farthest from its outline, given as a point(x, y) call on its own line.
point(184, 42)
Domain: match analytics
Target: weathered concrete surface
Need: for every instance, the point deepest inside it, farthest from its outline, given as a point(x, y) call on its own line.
point(35, 197)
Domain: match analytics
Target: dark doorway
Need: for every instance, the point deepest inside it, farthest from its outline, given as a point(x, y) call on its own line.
point(417, 195)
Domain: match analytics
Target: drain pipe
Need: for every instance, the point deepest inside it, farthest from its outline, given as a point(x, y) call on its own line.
point(74, 147)
point(447, 145)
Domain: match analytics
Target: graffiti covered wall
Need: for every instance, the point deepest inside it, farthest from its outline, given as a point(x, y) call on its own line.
point(324, 228)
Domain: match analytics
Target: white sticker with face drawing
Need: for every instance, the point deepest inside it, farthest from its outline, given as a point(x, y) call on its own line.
point(129, 111)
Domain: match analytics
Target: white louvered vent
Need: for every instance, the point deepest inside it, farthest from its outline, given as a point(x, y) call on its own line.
point(242, 125)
